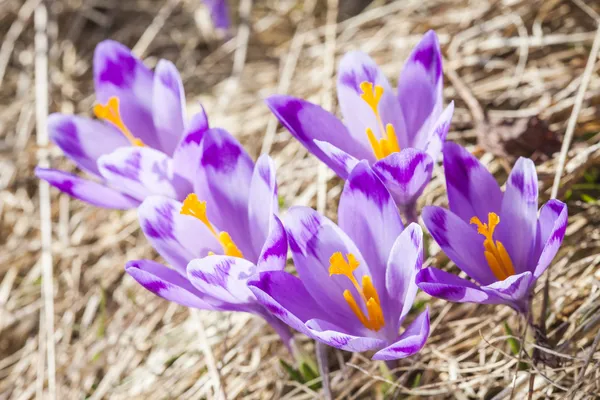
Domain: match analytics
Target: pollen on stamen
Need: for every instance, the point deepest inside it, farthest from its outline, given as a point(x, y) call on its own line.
point(110, 113)
point(495, 253)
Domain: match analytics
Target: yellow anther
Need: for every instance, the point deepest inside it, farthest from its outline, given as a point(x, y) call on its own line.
point(388, 143)
point(197, 209)
point(339, 266)
point(110, 112)
point(494, 251)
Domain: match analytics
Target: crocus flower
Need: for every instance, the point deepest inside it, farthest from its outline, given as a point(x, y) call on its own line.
point(496, 238)
point(399, 134)
point(219, 13)
point(139, 145)
point(219, 236)
point(356, 281)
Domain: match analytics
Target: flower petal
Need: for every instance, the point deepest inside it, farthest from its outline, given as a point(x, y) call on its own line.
point(420, 89)
point(443, 285)
point(368, 214)
point(313, 239)
point(308, 122)
point(224, 182)
point(461, 243)
point(263, 202)
point(118, 73)
point(168, 105)
point(357, 67)
point(405, 261)
point(168, 284)
point(177, 238)
point(96, 194)
point(334, 336)
point(513, 290)
point(518, 219)
point(189, 149)
point(274, 251)
point(437, 136)
point(142, 171)
point(285, 296)
point(223, 277)
point(84, 140)
point(552, 225)
point(340, 162)
point(410, 342)
point(219, 13)
point(472, 190)
point(405, 174)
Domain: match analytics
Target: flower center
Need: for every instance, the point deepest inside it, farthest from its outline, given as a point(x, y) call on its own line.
point(196, 208)
point(388, 143)
point(494, 251)
point(110, 112)
point(374, 318)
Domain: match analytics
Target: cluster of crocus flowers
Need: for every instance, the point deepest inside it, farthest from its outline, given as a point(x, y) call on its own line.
point(496, 238)
point(219, 236)
point(400, 134)
point(140, 144)
point(212, 213)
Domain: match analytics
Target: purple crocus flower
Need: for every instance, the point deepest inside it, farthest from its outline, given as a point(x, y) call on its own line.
point(496, 238)
point(399, 134)
point(219, 236)
point(219, 13)
point(140, 144)
point(356, 281)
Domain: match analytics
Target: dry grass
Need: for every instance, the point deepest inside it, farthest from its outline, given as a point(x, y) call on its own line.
point(111, 339)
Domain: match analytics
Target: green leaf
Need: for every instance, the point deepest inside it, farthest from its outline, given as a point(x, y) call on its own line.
point(292, 372)
point(587, 198)
point(513, 343)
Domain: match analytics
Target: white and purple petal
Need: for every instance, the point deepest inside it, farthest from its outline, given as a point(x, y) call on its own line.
point(84, 140)
point(405, 261)
point(118, 73)
point(189, 149)
point(273, 254)
point(142, 171)
point(405, 174)
point(355, 68)
point(177, 238)
point(339, 161)
point(513, 290)
point(223, 277)
point(168, 284)
point(435, 139)
point(308, 122)
point(472, 190)
point(263, 202)
point(552, 225)
point(94, 193)
point(420, 88)
point(518, 219)
point(410, 342)
point(168, 106)
point(223, 181)
point(447, 286)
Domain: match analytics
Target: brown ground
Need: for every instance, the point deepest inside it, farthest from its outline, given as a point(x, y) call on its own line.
point(506, 61)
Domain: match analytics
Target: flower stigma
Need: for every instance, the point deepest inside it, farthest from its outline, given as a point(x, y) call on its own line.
point(110, 112)
point(374, 318)
point(388, 143)
point(197, 209)
point(495, 253)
